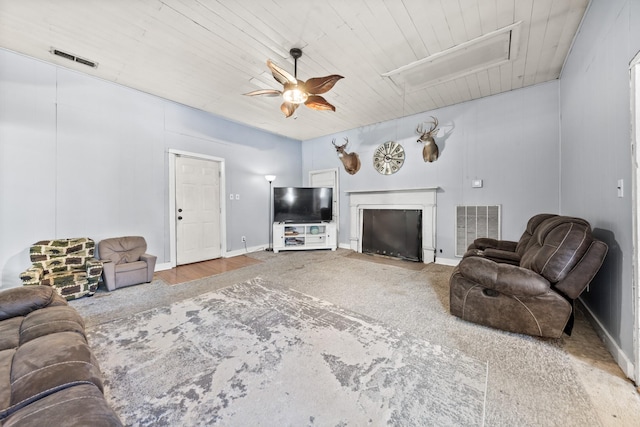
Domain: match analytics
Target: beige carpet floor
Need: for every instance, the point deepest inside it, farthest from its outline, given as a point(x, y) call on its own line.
point(571, 381)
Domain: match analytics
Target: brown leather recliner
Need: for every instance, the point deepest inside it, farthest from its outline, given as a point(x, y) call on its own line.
point(507, 251)
point(528, 287)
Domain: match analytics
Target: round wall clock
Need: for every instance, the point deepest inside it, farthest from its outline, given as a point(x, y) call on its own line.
point(388, 158)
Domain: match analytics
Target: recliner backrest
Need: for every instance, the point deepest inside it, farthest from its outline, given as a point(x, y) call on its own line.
point(556, 246)
point(532, 225)
point(120, 250)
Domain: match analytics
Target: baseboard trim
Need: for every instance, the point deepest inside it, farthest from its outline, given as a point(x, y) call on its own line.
point(618, 355)
point(229, 254)
point(448, 261)
point(163, 266)
point(239, 252)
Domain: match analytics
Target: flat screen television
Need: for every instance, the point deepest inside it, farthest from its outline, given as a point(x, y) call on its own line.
point(302, 204)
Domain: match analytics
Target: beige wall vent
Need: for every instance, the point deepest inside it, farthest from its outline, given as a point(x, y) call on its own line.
point(476, 221)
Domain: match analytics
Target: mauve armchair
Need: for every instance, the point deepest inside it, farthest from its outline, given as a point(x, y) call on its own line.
point(125, 261)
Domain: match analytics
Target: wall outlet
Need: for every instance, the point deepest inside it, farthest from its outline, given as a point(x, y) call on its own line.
point(244, 239)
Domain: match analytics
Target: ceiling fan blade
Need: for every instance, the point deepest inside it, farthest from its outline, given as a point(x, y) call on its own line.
point(288, 108)
point(280, 74)
point(319, 103)
point(318, 85)
point(267, 92)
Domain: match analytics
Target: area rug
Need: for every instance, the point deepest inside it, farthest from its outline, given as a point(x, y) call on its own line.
point(255, 355)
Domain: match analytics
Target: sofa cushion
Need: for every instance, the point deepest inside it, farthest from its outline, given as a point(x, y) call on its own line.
point(50, 363)
point(120, 250)
point(22, 301)
point(10, 333)
point(79, 406)
point(6, 356)
point(50, 321)
point(132, 266)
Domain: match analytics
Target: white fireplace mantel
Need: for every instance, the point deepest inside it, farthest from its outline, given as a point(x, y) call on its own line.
point(423, 199)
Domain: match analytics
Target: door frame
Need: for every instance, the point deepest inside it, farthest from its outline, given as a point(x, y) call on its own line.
point(173, 248)
point(634, 74)
point(336, 172)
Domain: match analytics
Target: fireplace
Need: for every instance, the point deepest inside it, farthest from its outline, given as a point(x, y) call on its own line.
point(395, 233)
point(422, 200)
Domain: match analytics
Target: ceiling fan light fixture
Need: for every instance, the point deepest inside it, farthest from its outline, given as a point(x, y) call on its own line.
point(294, 94)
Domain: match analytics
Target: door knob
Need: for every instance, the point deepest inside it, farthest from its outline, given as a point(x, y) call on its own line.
point(179, 218)
point(179, 210)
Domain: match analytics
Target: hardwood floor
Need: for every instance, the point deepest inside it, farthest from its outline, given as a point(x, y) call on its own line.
point(198, 270)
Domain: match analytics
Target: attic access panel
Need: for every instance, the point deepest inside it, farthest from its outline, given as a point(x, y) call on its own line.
point(481, 53)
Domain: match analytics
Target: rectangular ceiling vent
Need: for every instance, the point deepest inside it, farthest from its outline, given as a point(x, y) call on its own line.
point(74, 58)
point(481, 53)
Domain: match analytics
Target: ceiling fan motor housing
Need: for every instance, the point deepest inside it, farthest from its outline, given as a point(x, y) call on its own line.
point(295, 52)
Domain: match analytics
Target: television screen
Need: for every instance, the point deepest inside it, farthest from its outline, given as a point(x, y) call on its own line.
point(302, 204)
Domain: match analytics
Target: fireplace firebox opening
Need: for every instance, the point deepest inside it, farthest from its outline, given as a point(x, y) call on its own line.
point(394, 233)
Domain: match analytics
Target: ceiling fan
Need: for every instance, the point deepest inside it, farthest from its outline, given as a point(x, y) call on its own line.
point(296, 92)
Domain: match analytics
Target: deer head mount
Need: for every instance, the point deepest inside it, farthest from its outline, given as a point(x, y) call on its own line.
point(430, 151)
point(351, 161)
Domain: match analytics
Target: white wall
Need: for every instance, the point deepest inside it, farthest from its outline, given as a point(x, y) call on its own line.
point(83, 157)
point(596, 152)
point(510, 141)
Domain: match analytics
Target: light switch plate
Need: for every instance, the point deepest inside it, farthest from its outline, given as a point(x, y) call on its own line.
point(476, 183)
point(621, 188)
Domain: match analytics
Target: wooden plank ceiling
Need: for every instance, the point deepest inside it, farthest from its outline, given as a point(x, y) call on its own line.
point(207, 53)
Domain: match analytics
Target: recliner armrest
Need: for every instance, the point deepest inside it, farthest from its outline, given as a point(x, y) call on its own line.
point(504, 278)
point(496, 255)
point(501, 256)
point(151, 264)
point(148, 258)
point(577, 280)
point(109, 274)
point(486, 243)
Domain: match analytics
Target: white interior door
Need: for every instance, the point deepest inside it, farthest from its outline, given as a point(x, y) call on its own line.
point(328, 178)
point(197, 210)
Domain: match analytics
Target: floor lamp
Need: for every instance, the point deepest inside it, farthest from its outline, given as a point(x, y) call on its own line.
point(270, 178)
